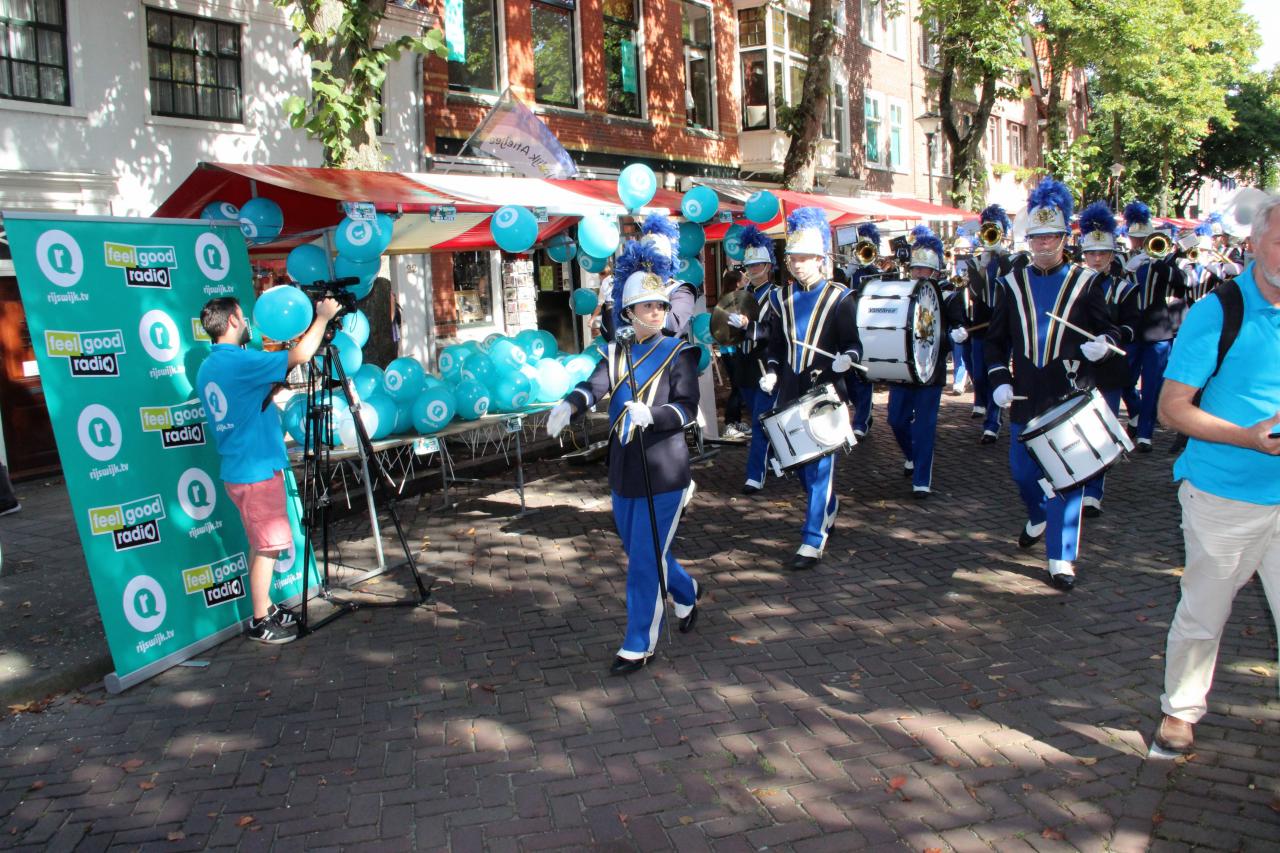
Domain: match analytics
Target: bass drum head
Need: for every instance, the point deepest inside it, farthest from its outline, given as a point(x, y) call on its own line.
point(925, 332)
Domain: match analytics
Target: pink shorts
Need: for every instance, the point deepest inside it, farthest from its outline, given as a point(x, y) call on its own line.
point(262, 509)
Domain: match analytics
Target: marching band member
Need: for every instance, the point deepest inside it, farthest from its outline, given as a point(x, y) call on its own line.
point(1098, 247)
point(662, 236)
point(858, 386)
point(961, 261)
point(757, 258)
point(1046, 363)
point(993, 263)
point(1162, 288)
point(1200, 277)
point(810, 311)
point(913, 409)
point(666, 377)
point(1228, 261)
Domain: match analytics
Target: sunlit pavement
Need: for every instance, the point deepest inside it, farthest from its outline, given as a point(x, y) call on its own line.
point(923, 688)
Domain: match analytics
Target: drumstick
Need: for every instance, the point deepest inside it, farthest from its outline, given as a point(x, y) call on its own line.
point(1115, 349)
point(976, 327)
point(827, 354)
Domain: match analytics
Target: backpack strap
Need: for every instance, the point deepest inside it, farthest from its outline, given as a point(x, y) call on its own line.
point(1232, 300)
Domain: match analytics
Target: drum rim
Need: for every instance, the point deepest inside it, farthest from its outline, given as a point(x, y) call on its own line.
point(911, 331)
point(1035, 432)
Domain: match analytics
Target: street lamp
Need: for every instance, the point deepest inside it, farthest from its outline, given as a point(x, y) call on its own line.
point(1117, 169)
point(930, 123)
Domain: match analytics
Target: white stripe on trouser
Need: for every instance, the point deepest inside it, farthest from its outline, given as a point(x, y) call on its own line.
point(1227, 541)
point(655, 625)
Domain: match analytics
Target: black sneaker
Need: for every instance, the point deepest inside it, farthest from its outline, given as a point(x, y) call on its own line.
point(270, 631)
point(11, 508)
point(285, 617)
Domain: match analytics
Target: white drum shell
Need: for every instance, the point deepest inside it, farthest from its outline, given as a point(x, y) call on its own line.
point(1085, 440)
point(814, 426)
point(885, 317)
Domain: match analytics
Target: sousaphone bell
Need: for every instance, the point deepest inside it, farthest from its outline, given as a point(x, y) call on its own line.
point(737, 302)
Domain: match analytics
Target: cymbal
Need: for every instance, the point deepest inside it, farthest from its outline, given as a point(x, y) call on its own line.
point(737, 302)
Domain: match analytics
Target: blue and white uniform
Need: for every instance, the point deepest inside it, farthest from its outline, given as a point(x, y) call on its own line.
point(758, 402)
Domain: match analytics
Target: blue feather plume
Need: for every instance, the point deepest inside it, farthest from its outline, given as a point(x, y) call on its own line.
point(811, 217)
point(920, 232)
point(636, 256)
point(1137, 213)
point(996, 213)
point(869, 231)
point(1097, 217)
point(1052, 193)
point(929, 241)
point(1204, 230)
point(659, 223)
point(753, 236)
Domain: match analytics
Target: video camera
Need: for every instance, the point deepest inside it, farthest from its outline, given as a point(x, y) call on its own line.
point(337, 289)
point(901, 249)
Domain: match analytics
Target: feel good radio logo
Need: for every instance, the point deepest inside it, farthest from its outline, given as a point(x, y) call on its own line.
point(130, 525)
point(179, 426)
point(88, 353)
point(218, 582)
point(144, 266)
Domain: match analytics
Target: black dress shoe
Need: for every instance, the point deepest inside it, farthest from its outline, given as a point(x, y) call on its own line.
point(988, 438)
point(687, 622)
point(1143, 447)
point(908, 472)
point(1064, 582)
point(751, 490)
point(920, 495)
point(1092, 512)
point(626, 666)
point(802, 563)
point(1026, 540)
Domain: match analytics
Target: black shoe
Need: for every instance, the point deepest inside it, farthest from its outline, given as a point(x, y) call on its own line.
point(10, 508)
point(1026, 540)
point(1064, 582)
point(802, 563)
point(1092, 512)
point(270, 631)
point(1144, 447)
point(908, 470)
point(920, 494)
point(989, 437)
point(284, 617)
point(687, 622)
point(750, 490)
point(626, 666)
point(973, 416)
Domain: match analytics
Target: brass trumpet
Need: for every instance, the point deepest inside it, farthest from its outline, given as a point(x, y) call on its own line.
point(1193, 254)
point(990, 234)
point(866, 252)
point(1157, 246)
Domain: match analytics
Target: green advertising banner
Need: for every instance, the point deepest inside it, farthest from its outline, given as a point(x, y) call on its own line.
point(113, 306)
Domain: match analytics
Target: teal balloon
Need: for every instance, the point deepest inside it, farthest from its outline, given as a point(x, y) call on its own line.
point(361, 240)
point(530, 372)
point(261, 220)
point(294, 417)
point(472, 398)
point(348, 354)
point(553, 381)
point(592, 264)
point(700, 204)
point(691, 270)
point(637, 185)
point(489, 340)
point(598, 235)
point(514, 228)
point(692, 238)
point(584, 301)
point(700, 328)
point(403, 379)
point(386, 409)
point(510, 393)
point(598, 348)
point(451, 359)
point(537, 344)
point(356, 324)
point(282, 312)
point(307, 264)
point(508, 354)
point(580, 367)
point(404, 417)
point(366, 271)
point(430, 380)
point(433, 410)
point(341, 412)
point(761, 208)
point(561, 248)
point(550, 346)
point(733, 243)
point(704, 358)
point(220, 210)
point(482, 369)
point(368, 381)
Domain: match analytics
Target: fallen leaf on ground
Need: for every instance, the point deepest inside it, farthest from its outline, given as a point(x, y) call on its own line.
point(146, 786)
point(131, 765)
point(245, 820)
point(1052, 834)
point(1260, 670)
point(1088, 761)
point(176, 835)
point(685, 820)
point(746, 641)
point(1141, 617)
point(263, 694)
point(897, 782)
point(471, 531)
point(36, 785)
point(1157, 818)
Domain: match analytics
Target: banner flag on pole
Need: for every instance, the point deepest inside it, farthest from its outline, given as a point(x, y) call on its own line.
point(517, 137)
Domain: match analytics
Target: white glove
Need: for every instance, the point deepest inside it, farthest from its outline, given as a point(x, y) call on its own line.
point(641, 415)
point(1096, 349)
point(842, 363)
point(1136, 261)
point(738, 321)
point(959, 334)
point(1003, 396)
point(558, 418)
point(768, 382)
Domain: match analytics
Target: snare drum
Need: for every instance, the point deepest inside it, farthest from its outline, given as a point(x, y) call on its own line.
point(1076, 440)
point(809, 428)
point(900, 325)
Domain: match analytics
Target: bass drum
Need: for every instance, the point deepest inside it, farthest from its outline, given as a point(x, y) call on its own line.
point(900, 324)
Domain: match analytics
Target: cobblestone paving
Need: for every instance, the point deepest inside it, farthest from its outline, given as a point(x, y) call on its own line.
point(923, 689)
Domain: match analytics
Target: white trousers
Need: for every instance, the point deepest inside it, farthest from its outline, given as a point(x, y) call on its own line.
point(1227, 542)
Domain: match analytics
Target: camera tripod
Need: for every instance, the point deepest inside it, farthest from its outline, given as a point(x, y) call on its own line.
point(317, 483)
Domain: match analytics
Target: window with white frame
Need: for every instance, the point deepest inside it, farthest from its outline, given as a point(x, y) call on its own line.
point(773, 50)
point(699, 64)
point(554, 50)
point(835, 124)
point(897, 135)
point(33, 51)
point(941, 164)
point(471, 36)
point(930, 54)
point(993, 140)
point(1015, 145)
point(622, 56)
point(884, 31)
point(874, 143)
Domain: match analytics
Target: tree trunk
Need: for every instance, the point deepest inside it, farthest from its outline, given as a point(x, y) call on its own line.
point(1056, 116)
point(802, 154)
point(326, 16)
point(968, 171)
point(1164, 180)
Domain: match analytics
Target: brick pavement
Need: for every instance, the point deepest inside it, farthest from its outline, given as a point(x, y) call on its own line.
point(923, 689)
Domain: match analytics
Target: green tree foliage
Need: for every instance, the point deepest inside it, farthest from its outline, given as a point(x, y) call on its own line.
point(347, 72)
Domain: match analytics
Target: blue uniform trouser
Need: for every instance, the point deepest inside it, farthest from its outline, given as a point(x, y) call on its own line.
point(1133, 354)
point(1152, 362)
point(1094, 488)
point(977, 362)
point(859, 390)
point(819, 480)
point(758, 450)
point(1061, 512)
point(958, 366)
point(913, 416)
point(644, 601)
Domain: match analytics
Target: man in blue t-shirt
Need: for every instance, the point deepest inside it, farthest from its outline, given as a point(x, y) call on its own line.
point(236, 384)
point(1230, 474)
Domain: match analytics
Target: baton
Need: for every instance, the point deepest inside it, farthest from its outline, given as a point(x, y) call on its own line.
point(1090, 335)
point(827, 354)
